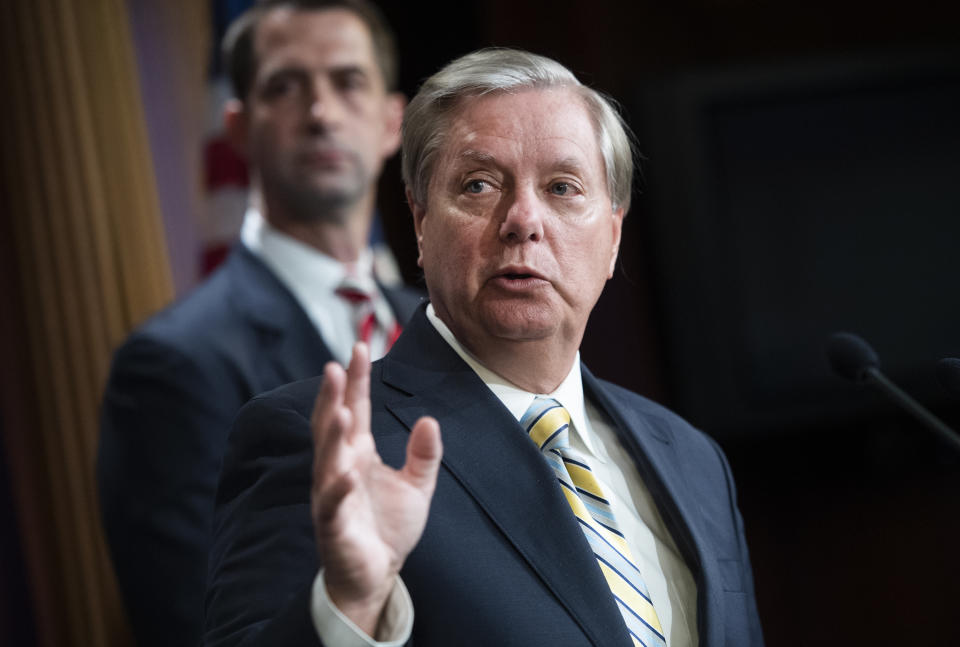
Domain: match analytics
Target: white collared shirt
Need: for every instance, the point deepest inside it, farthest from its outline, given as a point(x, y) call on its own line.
point(668, 578)
point(313, 278)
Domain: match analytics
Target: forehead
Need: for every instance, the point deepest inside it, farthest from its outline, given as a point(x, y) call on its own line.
point(528, 126)
point(326, 38)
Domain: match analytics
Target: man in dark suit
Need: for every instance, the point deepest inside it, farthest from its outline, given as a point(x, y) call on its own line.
point(478, 486)
point(315, 115)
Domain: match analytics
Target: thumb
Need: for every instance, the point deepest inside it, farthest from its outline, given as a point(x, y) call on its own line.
point(424, 450)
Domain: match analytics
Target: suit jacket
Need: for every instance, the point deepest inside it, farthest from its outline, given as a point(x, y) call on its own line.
point(174, 388)
point(502, 560)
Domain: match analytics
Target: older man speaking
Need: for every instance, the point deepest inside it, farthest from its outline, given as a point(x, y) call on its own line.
point(478, 486)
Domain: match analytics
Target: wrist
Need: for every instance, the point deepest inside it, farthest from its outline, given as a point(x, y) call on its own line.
point(333, 628)
point(362, 609)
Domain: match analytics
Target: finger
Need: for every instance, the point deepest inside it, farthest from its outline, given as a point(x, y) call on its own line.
point(333, 454)
point(330, 499)
point(357, 395)
point(329, 397)
point(328, 507)
point(424, 451)
point(329, 400)
point(338, 450)
point(358, 372)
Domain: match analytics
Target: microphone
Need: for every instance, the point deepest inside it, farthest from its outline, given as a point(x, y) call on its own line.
point(948, 372)
point(853, 358)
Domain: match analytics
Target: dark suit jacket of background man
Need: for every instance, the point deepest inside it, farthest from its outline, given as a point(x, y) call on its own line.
point(174, 388)
point(502, 560)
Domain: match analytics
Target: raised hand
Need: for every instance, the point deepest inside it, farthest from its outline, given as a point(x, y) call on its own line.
point(367, 516)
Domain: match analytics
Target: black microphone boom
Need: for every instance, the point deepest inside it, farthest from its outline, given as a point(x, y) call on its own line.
point(853, 358)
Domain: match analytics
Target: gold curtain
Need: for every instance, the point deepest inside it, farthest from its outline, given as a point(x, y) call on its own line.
point(83, 259)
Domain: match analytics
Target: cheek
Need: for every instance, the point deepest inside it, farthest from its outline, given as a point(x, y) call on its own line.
point(369, 144)
point(449, 258)
point(585, 264)
point(266, 139)
point(450, 254)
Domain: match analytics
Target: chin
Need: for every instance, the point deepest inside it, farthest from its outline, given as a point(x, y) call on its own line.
point(323, 203)
point(520, 323)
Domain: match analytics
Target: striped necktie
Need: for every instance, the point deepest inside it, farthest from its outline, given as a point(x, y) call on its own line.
point(369, 314)
point(548, 425)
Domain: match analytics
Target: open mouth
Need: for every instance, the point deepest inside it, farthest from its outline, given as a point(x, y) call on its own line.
point(519, 280)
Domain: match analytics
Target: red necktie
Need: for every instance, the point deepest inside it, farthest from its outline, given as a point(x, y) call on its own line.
point(364, 312)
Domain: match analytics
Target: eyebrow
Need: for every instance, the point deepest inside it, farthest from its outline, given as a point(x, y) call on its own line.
point(286, 69)
point(349, 68)
point(471, 155)
point(572, 164)
point(296, 68)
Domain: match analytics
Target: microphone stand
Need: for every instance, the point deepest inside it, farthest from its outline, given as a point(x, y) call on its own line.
point(873, 375)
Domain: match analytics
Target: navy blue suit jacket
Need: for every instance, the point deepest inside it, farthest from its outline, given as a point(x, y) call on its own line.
point(501, 561)
point(174, 388)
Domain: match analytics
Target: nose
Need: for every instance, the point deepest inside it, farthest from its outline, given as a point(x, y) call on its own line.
point(321, 105)
point(524, 218)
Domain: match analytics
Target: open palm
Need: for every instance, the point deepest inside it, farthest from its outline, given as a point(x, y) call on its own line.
point(367, 516)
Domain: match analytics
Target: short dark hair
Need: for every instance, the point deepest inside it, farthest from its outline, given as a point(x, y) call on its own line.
point(238, 54)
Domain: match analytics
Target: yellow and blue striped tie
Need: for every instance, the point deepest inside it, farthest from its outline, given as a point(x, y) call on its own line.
point(548, 425)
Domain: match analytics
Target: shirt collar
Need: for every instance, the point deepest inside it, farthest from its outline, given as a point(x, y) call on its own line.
point(304, 269)
point(517, 400)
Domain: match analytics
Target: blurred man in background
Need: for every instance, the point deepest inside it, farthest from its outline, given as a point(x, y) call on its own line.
point(315, 115)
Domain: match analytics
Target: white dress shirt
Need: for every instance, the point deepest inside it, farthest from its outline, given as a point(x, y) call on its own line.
point(668, 578)
point(313, 278)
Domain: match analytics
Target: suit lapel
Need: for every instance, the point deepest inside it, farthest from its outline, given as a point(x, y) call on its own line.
point(292, 347)
point(487, 452)
point(649, 440)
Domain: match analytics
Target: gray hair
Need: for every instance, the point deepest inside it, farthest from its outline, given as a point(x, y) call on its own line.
point(427, 118)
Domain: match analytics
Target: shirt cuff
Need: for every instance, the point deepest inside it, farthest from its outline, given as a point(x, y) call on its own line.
point(334, 628)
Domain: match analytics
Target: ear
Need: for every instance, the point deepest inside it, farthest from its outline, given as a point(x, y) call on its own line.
point(235, 123)
point(419, 213)
point(617, 224)
point(393, 118)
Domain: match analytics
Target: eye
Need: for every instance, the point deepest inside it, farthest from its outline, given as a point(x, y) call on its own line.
point(350, 79)
point(475, 186)
point(276, 87)
point(565, 188)
point(280, 85)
